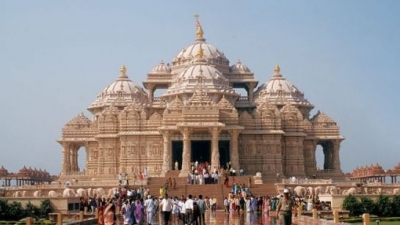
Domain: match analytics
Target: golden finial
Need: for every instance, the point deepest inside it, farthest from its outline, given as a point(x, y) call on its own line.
point(277, 69)
point(123, 71)
point(199, 31)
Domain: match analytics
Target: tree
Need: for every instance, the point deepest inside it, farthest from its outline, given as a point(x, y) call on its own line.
point(396, 205)
point(351, 203)
point(4, 208)
point(45, 208)
point(367, 205)
point(15, 211)
point(383, 206)
point(31, 210)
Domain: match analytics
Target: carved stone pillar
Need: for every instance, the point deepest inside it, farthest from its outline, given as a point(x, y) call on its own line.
point(187, 153)
point(66, 159)
point(151, 92)
point(234, 152)
point(214, 147)
point(336, 157)
point(74, 158)
point(251, 93)
point(166, 153)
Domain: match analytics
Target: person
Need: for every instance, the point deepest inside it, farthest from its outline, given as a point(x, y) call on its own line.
point(214, 204)
point(166, 208)
point(100, 212)
point(150, 206)
point(284, 208)
point(139, 211)
point(176, 165)
point(189, 209)
point(82, 204)
point(182, 210)
point(126, 212)
point(226, 205)
point(109, 213)
point(277, 176)
point(195, 214)
point(241, 172)
point(202, 208)
point(93, 205)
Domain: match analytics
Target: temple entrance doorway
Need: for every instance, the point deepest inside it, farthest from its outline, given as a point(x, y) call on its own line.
point(201, 151)
point(177, 150)
point(224, 156)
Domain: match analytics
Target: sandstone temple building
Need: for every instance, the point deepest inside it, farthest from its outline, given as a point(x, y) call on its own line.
point(200, 117)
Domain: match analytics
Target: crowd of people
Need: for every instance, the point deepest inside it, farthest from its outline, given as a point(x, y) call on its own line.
point(202, 173)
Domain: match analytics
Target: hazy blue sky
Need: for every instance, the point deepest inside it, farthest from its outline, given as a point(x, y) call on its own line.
point(56, 56)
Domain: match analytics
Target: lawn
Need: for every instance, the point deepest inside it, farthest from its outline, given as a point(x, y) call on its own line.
point(373, 222)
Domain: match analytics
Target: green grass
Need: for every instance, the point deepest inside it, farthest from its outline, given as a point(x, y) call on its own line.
point(383, 221)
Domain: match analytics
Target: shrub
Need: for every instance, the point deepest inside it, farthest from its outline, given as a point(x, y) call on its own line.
point(367, 205)
point(4, 208)
point(396, 205)
point(45, 208)
point(31, 210)
point(15, 211)
point(351, 203)
point(383, 206)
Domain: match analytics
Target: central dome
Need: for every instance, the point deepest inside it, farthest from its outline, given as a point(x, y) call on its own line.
point(211, 53)
point(200, 75)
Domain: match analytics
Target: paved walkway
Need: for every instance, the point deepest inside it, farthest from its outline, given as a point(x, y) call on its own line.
point(223, 218)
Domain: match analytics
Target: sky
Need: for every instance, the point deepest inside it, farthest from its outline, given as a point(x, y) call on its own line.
point(56, 56)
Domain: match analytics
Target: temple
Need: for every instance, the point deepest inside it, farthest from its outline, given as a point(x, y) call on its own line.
point(200, 116)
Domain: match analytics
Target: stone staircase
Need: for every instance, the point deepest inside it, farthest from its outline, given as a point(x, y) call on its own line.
point(207, 190)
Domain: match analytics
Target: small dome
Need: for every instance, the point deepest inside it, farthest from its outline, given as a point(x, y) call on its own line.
point(120, 93)
point(278, 89)
point(239, 67)
point(161, 68)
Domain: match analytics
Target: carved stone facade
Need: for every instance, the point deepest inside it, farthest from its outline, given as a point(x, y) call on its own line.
point(200, 117)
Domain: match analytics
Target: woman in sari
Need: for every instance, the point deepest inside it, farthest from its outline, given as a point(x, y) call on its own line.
point(139, 211)
point(100, 212)
point(109, 214)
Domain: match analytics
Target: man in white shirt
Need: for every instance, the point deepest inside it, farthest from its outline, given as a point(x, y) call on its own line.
point(189, 209)
point(149, 206)
point(182, 213)
point(166, 208)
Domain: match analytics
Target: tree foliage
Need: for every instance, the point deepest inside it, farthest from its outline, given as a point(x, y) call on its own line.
point(383, 206)
point(45, 208)
point(396, 205)
point(15, 211)
point(4, 208)
point(351, 203)
point(367, 204)
point(31, 210)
